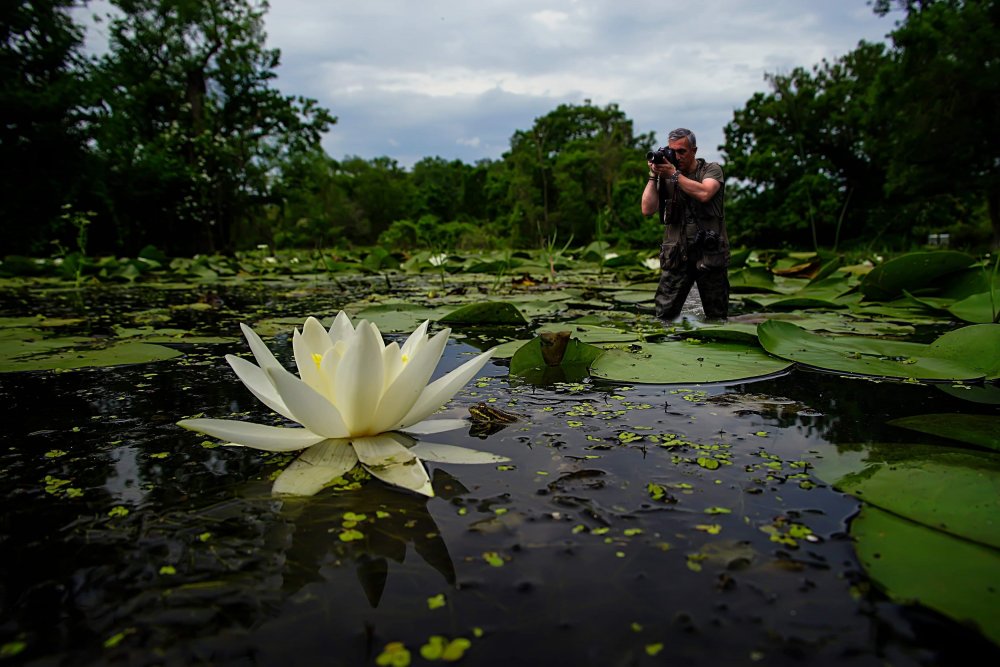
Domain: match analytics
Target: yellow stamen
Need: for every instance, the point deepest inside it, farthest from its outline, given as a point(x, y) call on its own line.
point(317, 358)
point(405, 358)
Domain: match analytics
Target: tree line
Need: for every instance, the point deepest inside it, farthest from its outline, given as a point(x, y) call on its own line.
point(176, 137)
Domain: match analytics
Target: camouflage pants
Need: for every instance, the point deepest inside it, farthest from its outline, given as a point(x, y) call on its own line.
point(675, 284)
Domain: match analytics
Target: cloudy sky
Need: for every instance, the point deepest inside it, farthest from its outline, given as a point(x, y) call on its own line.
point(456, 78)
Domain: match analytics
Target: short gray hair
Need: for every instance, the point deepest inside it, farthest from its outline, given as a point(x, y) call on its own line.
point(681, 133)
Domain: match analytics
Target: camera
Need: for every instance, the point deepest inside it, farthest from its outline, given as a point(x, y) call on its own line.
point(662, 155)
point(708, 240)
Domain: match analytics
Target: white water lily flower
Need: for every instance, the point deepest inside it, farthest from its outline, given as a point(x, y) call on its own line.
point(438, 260)
point(653, 263)
point(352, 396)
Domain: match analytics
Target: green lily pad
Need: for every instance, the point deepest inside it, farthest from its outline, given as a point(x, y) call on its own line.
point(486, 312)
point(913, 563)
point(634, 296)
point(977, 308)
point(398, 317)
point(865, 356)
point(741, 332)
point(589, 333)
point(987, 394)
point(911, 271)
point(943, 488)
point(32, 357)
point(685, 361)
point(577, 359)
point(751, 279)
point(507, 350)
point(980, 430)
point(977, 345)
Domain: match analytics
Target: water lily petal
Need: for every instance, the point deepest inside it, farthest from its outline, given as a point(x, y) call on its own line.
point(358, 384)
point(259, 384)
point(341, 329)
point(307, 406)
point(260, 351)
point(392, 363)
point(416, 339)
point(387, 459)
point(441, 390)
point(316, 467)
point(306, 365)
point(315, 336)
point(257, 436)
point(431, 426)
point(309, 346)
point(440, 453)
point(400, 396)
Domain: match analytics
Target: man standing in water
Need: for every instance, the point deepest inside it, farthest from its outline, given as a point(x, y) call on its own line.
point(688, 192)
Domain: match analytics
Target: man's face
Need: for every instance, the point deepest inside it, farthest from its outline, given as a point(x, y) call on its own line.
point(685, 154)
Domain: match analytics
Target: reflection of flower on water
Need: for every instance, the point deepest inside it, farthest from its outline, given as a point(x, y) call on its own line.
point(371, 530)
point(353, 395)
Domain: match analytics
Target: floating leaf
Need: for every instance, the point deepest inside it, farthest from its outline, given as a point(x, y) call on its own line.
point(868, 356)
point(682, 362)
point(589, 333)
point(529, 363)
point(943, 488)
point(396, 317)
point(977, 308)
point(977, 345)
point(911, 271)
point(981, 430)
point(913, 563)
point(486, 312)
point(53, 354)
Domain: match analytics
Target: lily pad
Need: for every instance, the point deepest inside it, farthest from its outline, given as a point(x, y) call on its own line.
point(398, 317)
point(977, 345)
point(487, 312)
point(589, 333)
point(943, 488)
point(866, 356)
point(978, 308)
point(31, 358)
point(980, 430)
point(529, 362)
point(986, 394)
point(751, 279)
point(911, 271)
point(675, 362)
point(913, 563)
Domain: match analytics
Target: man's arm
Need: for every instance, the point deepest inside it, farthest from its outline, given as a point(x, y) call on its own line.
point(702, 191)
point(650, 198)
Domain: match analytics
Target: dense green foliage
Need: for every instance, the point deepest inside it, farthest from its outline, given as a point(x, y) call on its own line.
point(177, 138)
point(884, 145)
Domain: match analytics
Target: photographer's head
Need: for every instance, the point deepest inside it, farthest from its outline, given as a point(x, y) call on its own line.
point(684, 144)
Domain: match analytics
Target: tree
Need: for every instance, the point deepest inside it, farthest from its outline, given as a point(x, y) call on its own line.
point(381, 193)
point(42, 99)
point(191, 129)
point(805, 161)
point(945, 104)
point(561, 174)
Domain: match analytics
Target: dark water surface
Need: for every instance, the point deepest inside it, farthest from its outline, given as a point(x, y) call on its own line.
point(634, 525)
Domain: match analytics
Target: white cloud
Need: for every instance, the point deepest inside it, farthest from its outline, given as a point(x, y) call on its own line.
point(413, 80)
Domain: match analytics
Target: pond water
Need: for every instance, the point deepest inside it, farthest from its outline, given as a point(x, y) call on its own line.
point(642, 524)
